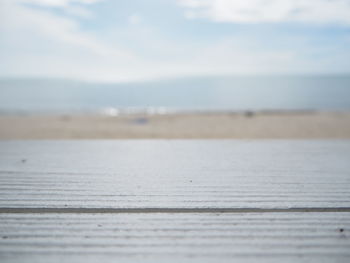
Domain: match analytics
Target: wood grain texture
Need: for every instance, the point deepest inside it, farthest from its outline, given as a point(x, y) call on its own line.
point(173, 174)
point(171, 201)
point(182, 236)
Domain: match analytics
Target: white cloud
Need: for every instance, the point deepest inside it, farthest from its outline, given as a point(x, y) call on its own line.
point(71, 7)
point(37, 42)
point(135, 19)
point(255, 11)
point(57, 28)
point(58, 3)
point(41, 43)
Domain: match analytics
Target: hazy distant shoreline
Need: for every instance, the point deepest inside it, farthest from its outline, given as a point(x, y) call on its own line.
point(149, 111)
point(320, 92)
point(285, 124)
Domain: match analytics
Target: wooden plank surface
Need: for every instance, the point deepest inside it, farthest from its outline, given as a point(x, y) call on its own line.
point(155, 201)
point(125, 174)
point(176, 237)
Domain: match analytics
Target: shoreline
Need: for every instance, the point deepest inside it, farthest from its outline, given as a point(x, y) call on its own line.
point(303, 124)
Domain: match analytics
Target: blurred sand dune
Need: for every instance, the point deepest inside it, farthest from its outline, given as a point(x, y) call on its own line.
point(250, 125)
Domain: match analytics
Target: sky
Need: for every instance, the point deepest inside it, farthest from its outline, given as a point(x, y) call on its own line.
point(138, 40)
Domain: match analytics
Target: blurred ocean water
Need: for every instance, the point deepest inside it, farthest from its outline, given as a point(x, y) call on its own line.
point(188, 94)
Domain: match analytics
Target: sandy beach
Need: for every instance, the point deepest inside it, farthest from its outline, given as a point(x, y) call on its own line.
point(258, 125)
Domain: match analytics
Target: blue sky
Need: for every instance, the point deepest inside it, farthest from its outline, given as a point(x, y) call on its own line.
point(137, 40)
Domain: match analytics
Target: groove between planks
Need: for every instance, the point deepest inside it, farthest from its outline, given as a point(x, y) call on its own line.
point(173, 210)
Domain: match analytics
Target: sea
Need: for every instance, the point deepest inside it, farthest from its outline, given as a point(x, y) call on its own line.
point(221, 93)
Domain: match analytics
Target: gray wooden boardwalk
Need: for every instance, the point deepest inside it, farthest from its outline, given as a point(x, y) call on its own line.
point(175, 201)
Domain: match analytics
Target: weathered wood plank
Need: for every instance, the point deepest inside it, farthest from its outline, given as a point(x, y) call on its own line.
point(187, 174)
point(197, 237)
point(70, 201)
